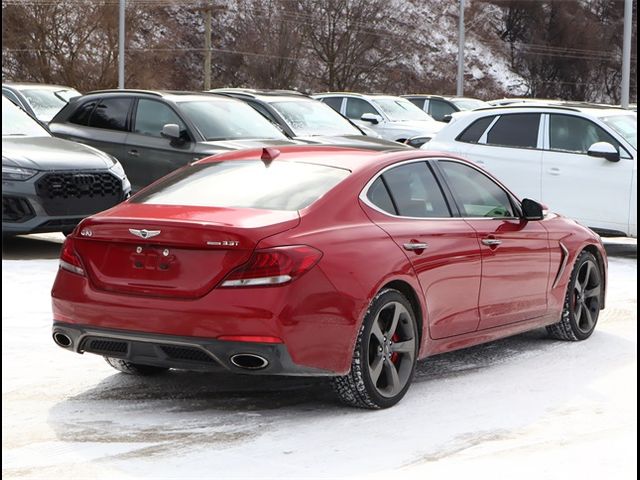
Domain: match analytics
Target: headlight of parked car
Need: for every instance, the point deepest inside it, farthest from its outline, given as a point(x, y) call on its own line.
point(10, 172)
point(118, 170)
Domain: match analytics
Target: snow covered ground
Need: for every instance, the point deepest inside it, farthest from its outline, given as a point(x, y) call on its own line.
point(524, 407)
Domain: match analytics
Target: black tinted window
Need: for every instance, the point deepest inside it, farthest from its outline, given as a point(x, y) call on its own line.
point(418, 102)
point(379, 196)
point(476, 194)
point(515, 130)
point(357, 107)
point(416, 192)
point(82, 114)
point(474, 131)
point(333, 102)
point(151, 116)
point(245, 184)
point(439, 109)
point(575, 134)
point(111, 113)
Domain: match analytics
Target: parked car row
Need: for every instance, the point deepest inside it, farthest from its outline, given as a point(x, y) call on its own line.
point(546, 154)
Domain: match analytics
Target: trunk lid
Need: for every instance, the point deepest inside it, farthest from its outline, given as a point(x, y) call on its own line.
point(172, 251)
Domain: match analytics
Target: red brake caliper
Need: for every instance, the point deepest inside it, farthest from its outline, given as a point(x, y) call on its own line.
point(395, 355)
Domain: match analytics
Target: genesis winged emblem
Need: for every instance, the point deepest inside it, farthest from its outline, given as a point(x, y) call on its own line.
point(144, 233)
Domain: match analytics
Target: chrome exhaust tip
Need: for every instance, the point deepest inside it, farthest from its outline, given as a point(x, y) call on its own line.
point(249, 361)
point(62, 339)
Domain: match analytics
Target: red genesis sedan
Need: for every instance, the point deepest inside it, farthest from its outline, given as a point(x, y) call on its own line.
point(329, 261)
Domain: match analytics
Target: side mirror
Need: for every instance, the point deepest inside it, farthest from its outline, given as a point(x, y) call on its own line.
point(371, 117)
point(532, 210)
point(171, 131)
point(417, 142)
point(447, 118)
point(604, 150)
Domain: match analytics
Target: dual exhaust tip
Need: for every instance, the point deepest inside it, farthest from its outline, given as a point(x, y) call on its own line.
point(62, 339)
point(246, 361)
point(249, 361)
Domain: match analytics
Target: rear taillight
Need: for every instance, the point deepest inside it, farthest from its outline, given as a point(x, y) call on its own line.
point(273, 266)
point(69, 259)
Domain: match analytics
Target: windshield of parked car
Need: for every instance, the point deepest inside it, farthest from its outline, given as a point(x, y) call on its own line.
point(311, 117)
point(46, 102)
point(401, 110)
point(469, 103)
point(625, 125)
point(16, 123)
point(228, 120)
point(245, 184)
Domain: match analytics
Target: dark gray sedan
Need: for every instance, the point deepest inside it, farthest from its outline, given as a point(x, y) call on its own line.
point(50, 184)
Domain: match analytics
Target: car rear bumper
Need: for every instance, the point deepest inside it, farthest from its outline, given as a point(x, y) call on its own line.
point(187, 353)
point(316, 323)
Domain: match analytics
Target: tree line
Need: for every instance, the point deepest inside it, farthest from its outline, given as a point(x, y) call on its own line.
point(550, 49)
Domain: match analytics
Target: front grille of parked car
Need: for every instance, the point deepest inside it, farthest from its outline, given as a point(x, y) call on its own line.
point(78, 193)
point(16, 209)
point(102, 346)
point(186, 353)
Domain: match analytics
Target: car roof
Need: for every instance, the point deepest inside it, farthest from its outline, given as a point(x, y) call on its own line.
point(29, 85)
point(351, 158)
point(172, 95)
point(592, 109)
point(355, 94)
point(267, 96)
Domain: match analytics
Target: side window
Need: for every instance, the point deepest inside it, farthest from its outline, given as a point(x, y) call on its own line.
point(356, 107)
point(111, 113)
point(476, 194)
point(418, 102)
point(416, 192)
point(82, 114)
point(574, 134)
point(333, 102)
point(515, 130)
point(439, 109)
point(379, 196)
point(474, 131)
point(151, 116)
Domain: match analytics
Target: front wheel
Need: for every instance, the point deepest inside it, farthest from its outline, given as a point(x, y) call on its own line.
point(582, 301)
point(385, 354)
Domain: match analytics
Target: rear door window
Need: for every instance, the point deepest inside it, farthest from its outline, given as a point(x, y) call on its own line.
point(379, 196)
point(111, 114)
point(245, 184)
point(515, 130)
point(418, 102)
point(415, 191)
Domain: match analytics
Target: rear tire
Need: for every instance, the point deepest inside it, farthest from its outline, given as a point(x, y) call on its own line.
point(385, 355)
point(581, 302)
point(134, 368)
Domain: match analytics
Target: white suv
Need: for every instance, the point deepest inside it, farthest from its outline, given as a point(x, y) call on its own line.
point(580, 161)
point(393, 118)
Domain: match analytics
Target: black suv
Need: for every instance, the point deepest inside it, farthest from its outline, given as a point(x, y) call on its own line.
point(306, 119)
point(441, 108)
point(153, 133)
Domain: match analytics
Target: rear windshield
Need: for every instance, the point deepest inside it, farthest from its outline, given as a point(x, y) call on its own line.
point(245, 184)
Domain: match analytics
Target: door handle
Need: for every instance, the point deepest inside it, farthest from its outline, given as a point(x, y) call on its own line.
point(491, 242)
point(133, 153)
point(554, 171)
point(415, 246)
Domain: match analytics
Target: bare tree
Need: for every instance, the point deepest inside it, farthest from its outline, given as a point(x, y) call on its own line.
point(349, 40)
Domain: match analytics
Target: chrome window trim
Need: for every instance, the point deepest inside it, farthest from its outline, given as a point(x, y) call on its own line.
point(365, 199)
